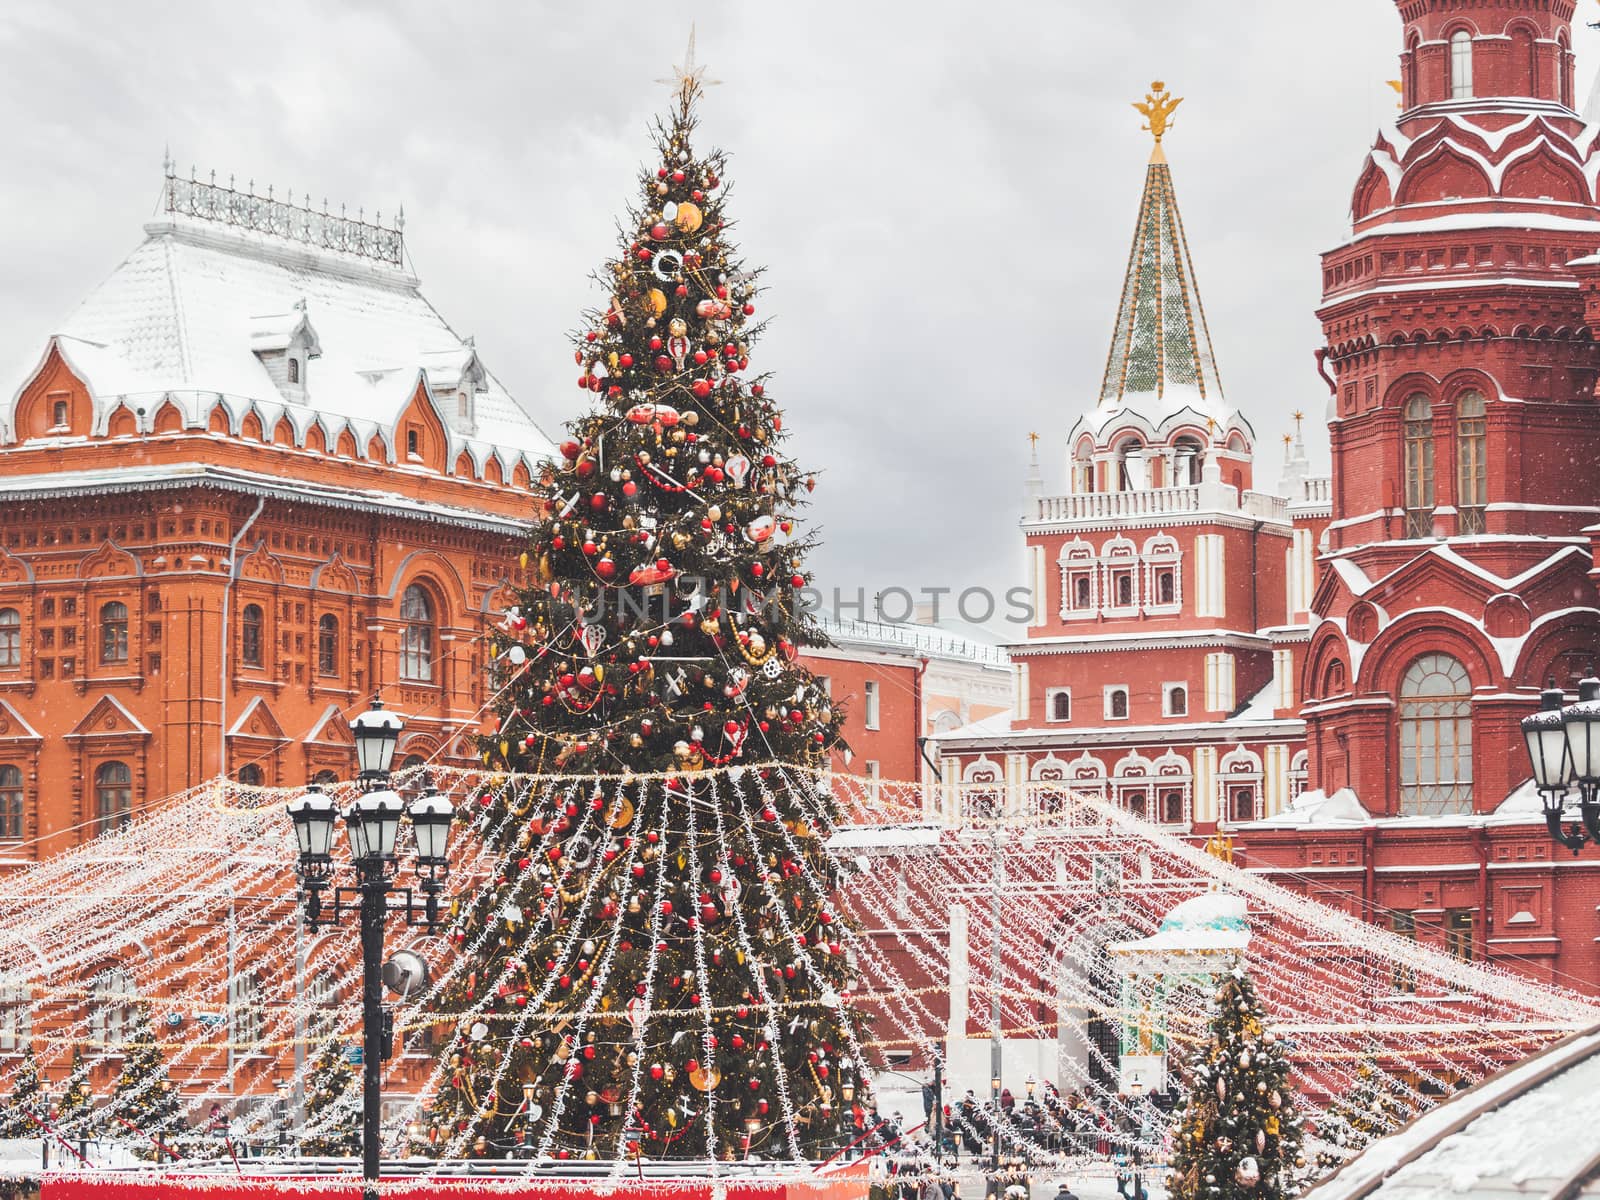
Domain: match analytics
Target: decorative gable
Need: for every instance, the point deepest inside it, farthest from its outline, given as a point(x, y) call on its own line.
point(109, 720)
point(108, 562)
point(13, 728)
point(54, 403)
point(331, 729)
point(257, 723)
point(420, 437)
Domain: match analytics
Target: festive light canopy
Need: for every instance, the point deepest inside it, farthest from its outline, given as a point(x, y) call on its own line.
point(142, 918)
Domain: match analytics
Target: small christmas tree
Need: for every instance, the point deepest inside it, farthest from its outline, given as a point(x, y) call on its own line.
point(1239, 1137)
point(333, 1105)
point(75, 1112)
point(27, 1103)
point(1371, 1109)
point(145, 1106)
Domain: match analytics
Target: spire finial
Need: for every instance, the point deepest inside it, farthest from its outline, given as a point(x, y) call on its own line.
point(1158, 107)
point(686, 78)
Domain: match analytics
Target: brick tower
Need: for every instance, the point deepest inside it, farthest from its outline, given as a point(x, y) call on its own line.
point(1463, 428)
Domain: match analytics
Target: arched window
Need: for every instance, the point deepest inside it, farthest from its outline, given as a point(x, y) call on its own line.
point(1419, 466)
point(247, 1016)
point(1124, 583)
point(415, 777)
point(16, 1016)
point(1081, 595)
point(1130, 465)
point(1241, 802)
point(1471, 484)
point(1117, 704)
point(113, 797)
point(1177, 701)
point(250, 775)
point(325, 778)
point(250, 636)
point(1435, 738)
point(1083, 470)
point(1061, 706)
point(322, 994)
point(327, 644)
point(294, 371)
point(10, 802)
point(1564, 72)
point(1170, 803)
point(111, 1008)
point(1188, 461)
point(1410, 75)
point(1461, 65)
point(1166, 589)
point(416, 638)
point(114, 632)
point(10, 640)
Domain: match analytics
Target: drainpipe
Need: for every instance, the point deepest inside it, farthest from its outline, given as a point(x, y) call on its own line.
point(227, 658)
point(1480, 931)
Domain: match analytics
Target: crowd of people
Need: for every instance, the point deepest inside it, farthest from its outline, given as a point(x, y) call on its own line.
point(1005, 1141)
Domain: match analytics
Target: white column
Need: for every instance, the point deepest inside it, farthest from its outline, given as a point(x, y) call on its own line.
point(960, 976)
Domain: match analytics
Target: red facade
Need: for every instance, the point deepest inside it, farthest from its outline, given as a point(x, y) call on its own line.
point(1456, 576)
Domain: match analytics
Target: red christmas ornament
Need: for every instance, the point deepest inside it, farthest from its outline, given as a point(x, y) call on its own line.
point(660, 231)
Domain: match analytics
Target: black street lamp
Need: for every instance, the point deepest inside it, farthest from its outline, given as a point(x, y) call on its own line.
point(1564, 749)
point(372, 824)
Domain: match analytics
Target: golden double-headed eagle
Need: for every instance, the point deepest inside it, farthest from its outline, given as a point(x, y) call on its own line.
point(1158, 107)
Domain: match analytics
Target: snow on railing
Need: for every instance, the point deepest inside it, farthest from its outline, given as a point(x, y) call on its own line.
point(211, 201)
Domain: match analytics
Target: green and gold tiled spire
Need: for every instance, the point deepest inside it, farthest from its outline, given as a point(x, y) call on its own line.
point(1161, 355)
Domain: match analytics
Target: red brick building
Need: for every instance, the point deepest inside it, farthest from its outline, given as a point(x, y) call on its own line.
point(1458, 573)
point(1170, 600)
point(254, 479)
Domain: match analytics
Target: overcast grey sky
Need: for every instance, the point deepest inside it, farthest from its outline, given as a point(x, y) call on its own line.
point(943, 193)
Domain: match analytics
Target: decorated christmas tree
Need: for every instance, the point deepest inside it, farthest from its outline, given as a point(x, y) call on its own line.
point(1369, 1110)
point(27, 1104)
point(1239, 1135)
point(75, 1111)
point(145, 1108)
point(657, 968)
point(333, 1105)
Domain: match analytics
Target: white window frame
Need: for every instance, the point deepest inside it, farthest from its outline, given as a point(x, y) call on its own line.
point(871, 705)
point(1461, 65)
point(16, 1018)
point(825, 682)
point(1050, 706)
point(1166, 697)
point(874, 777)
point(1110, 690)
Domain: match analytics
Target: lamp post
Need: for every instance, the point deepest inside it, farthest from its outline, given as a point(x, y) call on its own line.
point(372, 825)
point(1563, 742)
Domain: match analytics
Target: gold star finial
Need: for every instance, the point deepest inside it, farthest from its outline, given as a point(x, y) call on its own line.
point(1033, 438)
point(1298, 418)
point(1158, 107)
point(687, 79)
point(1400, 90)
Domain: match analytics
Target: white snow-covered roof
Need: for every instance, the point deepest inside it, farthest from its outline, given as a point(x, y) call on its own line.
point(1317, 807)
point(1213, 922)
point(1528, 1131)
point(188, 315)
point(883, 837)
point(966, 643)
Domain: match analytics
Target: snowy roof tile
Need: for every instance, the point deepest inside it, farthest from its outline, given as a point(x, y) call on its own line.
point(185, 313)
point(1528, 1131)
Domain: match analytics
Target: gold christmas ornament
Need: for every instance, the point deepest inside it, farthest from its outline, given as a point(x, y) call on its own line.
point(657, 299)
point(689, 217)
